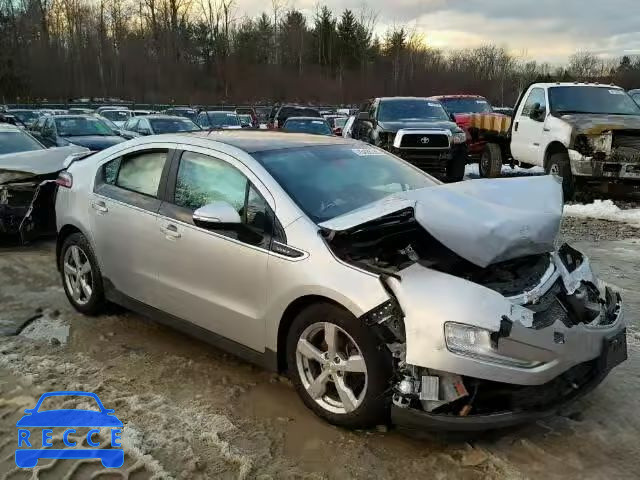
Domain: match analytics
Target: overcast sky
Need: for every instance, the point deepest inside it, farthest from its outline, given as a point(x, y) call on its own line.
point(546, 30)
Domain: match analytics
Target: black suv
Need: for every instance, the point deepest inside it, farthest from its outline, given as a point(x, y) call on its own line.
point(417, 130)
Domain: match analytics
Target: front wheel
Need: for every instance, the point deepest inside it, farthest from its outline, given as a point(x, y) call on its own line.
point(338, 367)
point(558, 164)
point(456, 168)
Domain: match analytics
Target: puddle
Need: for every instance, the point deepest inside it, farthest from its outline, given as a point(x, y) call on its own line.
point(47, 329)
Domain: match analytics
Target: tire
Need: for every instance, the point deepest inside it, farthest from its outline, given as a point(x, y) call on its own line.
point(558, 164)
point(490, 164)
point(456, 168)
point(370, 399)
point(89, 301)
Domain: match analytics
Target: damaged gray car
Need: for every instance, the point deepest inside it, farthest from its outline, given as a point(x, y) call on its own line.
point(385, 295)
point(28, 173)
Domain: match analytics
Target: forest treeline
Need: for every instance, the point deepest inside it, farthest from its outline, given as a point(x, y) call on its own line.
point(201, 51)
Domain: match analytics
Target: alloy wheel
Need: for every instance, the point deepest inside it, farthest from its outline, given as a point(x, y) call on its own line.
point(331, 367)
point(78, 276)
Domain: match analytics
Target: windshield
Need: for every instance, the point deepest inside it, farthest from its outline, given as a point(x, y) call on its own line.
point(14, 142)
point(25, 116)
point(410, 109)
point(330, 180)
point(186, 113)
point(339, 122)
point(223, 119)
point(117, 115)
point(171, 125)
point(317, 127)
point(585, 99)
point(466, 105)
point(245, 119)
point(82, 126)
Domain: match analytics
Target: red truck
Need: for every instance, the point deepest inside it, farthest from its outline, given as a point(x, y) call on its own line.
point(460, 108)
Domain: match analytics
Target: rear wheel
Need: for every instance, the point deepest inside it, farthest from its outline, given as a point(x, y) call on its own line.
point(338, 366)
point(490, 164)
point(81, 277)
point(558, 164)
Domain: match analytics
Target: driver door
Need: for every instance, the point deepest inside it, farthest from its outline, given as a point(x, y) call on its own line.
point(215, 278)
point(528, 135)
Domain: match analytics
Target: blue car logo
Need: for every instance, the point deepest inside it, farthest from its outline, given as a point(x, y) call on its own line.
point(65, 418)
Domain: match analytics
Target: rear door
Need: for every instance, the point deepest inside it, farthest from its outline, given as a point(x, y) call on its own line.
point(528, 136)
point(216, 277)
point(124, 210)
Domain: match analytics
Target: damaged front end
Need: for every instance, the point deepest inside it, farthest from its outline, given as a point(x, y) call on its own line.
point(27, 191)
point(483, 337)
point(27, 207)
point(606, 152)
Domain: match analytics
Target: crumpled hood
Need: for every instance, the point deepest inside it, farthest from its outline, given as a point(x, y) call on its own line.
point(395, 126)
point(595, 124)
point(484, 221)
point(95, 142)
point(14, 166)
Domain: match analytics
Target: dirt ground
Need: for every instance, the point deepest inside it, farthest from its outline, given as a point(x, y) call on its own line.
point(191, 411)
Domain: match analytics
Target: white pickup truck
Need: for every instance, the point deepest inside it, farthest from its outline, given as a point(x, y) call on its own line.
point(587, 133)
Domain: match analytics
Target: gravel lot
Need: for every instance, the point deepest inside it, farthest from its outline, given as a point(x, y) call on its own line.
point(191, 411)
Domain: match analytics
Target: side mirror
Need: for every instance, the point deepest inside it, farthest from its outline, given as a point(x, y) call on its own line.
point(364, 116)
point(452, 116)
point(337, 131)
point(537, 113)
point(216, 215)
point(144, 131)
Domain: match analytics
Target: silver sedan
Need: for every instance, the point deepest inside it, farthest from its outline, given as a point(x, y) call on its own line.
point(383, 294)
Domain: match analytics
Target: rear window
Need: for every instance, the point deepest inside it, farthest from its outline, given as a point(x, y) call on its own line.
point(14, 142)
point(286, 112)
point(316, 127)
point(466, 105)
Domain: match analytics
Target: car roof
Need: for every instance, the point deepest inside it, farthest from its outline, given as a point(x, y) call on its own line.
point(391, 99)
point(232, 112)
point(74, 115)
point(250, 141)
point(163, 117)
point(575, 84)
point(447, 97)
point(315, 119)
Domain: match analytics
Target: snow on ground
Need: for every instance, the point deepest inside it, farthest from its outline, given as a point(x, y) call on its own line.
point(604, 210)
point(472, 171)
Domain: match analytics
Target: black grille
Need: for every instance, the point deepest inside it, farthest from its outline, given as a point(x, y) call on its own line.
point(424, 140)
point(433, 164)
point(626, 140)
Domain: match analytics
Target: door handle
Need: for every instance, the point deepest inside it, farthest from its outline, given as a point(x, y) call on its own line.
point(515, 127)
point(99, 207)
point(545, 129)
point(171, 231)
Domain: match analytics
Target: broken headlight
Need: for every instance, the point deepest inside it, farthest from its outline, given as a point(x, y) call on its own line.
point(476, 342)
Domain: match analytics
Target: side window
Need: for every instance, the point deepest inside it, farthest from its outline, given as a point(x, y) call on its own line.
point(203, 121)
point(141, 172)
point(373, 110)
point(131, 124)
point(202, 179)
point(48, 130)
point(110, 171)
point(535, 96)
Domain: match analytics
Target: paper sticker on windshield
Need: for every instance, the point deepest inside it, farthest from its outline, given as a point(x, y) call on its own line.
point(231, 114)
point(317, 122)
point(481, 101)
point(365, 152)
point(616, 92)
point(431, 104)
